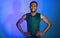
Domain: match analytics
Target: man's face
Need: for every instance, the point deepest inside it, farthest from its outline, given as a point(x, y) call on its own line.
point(33, 7)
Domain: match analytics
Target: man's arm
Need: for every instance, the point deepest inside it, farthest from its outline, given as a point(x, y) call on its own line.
point(19, 22)
point(19, 26)
point(47, 22)
point(48, 25)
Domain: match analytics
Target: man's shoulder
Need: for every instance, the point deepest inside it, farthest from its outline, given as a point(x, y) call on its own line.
point(38, 13)
point(27, 13)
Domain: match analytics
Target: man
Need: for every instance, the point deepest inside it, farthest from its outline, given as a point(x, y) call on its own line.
point(33, 22)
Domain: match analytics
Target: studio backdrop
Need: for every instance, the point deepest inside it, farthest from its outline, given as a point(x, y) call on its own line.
point(12, 10)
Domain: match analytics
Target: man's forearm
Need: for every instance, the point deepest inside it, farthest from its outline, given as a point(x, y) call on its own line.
point(20, 28)
point(47, 28)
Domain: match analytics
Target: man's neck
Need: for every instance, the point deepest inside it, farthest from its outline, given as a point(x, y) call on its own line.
point(33, 13)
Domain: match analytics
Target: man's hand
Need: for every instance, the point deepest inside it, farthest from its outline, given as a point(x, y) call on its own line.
point(27, 34)
point(39, 34)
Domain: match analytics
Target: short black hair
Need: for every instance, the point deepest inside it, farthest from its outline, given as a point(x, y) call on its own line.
point(33, 2)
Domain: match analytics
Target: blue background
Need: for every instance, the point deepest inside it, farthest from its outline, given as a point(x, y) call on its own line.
point(12, 10)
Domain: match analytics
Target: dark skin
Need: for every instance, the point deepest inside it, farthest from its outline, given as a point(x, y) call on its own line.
point(33, 8)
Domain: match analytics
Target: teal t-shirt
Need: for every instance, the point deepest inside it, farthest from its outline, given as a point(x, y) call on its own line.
point(33, 23)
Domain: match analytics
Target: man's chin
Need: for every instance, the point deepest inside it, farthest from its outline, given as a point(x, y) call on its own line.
point(33, 11)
